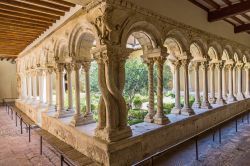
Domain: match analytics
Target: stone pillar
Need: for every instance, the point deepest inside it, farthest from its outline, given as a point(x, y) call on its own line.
point(224, 83)
point(88, 116)
point(49, 88)
point(205, 103)
point(177, 107)
point(41, 87)
point(234, 81)
point(197, 102)
point(212, 84)
point(78, 118)
point(247, 93)
point(60, 113)
point(220, 99)
point(24, 87)
point(159, 117)
point(151, 112)
point(231, 97)
point(70, 97)
point(29, 87)
point(240, 95)
point(35, 85)
point(186, 110)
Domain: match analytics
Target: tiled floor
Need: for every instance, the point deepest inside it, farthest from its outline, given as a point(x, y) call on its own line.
point(233, 151)
point(15, 149)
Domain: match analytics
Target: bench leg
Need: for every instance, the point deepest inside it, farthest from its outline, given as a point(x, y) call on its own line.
point(41, 145)
point(29, 134)
point(21, 124)
point(62, 160)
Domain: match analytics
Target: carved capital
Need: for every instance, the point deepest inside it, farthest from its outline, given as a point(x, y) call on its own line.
point(196, 65)
point(220, 65)
point(69, 68)
point(204, 65)
point(77, 66)
point(185, 62)
point(86, 66)
point(59, 67)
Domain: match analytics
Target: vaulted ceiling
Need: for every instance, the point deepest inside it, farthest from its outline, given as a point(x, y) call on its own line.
point(235, 12)
point(22, 21)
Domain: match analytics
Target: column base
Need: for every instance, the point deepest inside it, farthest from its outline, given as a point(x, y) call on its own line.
point(63, 114)
point(212, 100)
point(112, 135)
point(176, 110)
point(149, 118)
point(196, 104)
point(79, 119)
point(206, 105)
point(220, 101)
point(187, 111)
point(161, 119)
point(240, 96)
point(224, 97)
point(247, 95)
point(231, 99)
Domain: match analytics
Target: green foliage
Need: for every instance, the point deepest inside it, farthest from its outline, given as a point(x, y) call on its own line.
point(170, 94)
point(191, 100)
point(136, 116)
point(167, 107)
point(137, 102)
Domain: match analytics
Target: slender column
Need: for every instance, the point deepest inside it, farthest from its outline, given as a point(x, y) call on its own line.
point(177, 108)
point(247, 93)
point(24, 87)
point(78, 118)
point(231, 97)
point(159, 117)
point(60, 92)
point(234, 81)
point(49, 88)
point(212, 86)
point(88, 116)
point(70, 97)
point(186, 110)
point(205, 103)
point(41, 86)
point(240, 95)
point(35, 85)
point(224, 83)
point(151, 112)
point(197, 102)
point(220, 99)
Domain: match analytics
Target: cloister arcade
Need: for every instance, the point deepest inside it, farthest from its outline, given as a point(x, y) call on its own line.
point(216, 69)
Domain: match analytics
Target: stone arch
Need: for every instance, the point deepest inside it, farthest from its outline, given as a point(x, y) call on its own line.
point(238, 55)
point(214, 51)
point(61, 50)
point(227, 53)
point(49, 51)
point(81, 40)
point(196, 52)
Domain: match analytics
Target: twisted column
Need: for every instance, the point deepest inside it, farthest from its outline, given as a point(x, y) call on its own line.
point(149, 117)
point(247, 93)
point(231, 97)
point(220, 99)
point(159, 117)
point(70, 97)
point(212, 86)
point(197, 102)
point(205, 103)
point(186, 110)
point(177, 107)
point(240, 95)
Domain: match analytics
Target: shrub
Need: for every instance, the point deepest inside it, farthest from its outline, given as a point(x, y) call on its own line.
point(168, 107)
point(137, 102)
point(170, 94)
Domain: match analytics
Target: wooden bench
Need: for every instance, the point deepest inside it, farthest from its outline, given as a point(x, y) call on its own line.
point(68, 155)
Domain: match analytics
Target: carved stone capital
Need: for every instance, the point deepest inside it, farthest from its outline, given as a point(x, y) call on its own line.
point(59, 67)
point(86, 66)
point(220, 65)
point(196, 65)
point(77, 66)
point(69, 67)
point(204, 65)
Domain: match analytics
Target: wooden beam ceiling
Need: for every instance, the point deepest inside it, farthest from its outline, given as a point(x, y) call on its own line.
point(22, 21)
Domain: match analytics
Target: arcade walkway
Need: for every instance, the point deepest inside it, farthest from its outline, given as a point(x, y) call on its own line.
point(233, 151)
point(15, 150)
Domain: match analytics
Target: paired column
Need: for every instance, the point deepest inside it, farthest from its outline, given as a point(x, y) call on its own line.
point(159, 117)
point(29, 87)
point(186, 110)
point(212, 84)
point(41, 87)
point(247, 93)
point(205, 103)
point(70, 97)
point(197, 102)
point(177, 107)
point(151, 111)
point(224, 83)
point(35, 85)
point(231, 97)
point(220, 99)
point(49, 88)
point(240, 95)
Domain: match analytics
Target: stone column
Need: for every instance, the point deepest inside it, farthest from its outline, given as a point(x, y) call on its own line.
point(78, 118)
point(159, 117)
point(151, 112)
point(35, 86)
point(240, 95)
point(224, 83)
point(212, 82)
point(220, 99)
point(70, 97)
point(24, 87)
point(205, 103)
point(41, 88)
point(49, 88)
point(177, 107)
point(197, 103)
point(247, 93)
point(60, 92)
point(231, 97)
point(88, 116)
point(186, 110)
point(29, 87)
point(234, 81)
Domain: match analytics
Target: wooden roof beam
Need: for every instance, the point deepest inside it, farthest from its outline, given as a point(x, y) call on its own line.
point(62, 2)
point(242, 28)
point(213, 4)
point(25, 26)
point(25, 22)
point(229, 11)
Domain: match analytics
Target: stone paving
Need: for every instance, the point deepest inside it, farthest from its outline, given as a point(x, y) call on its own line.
point(233, 151)
point(15, 149)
